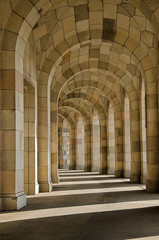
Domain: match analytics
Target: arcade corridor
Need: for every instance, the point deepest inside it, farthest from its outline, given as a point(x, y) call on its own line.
point(79, 119)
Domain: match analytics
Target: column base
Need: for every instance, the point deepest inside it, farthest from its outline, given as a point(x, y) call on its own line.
point(135, 178)
point(13, 201)
point(45, 186)
point(118, 174)
point(143, 179)
point(102, 171)
point(72, 168)
point(87, 169)
point(126, 174)
point(37, 188)
point(0, 203)
point(31, 188)
point(55, 179)
point(152, 186)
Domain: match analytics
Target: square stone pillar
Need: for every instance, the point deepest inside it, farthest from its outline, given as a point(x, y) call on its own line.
point(87, 141)
point(12, 140)
point(103, 149)
point(135, 142)
point(54, 152)
point(54, 139)
point(73, 146)
point(119, 164)
point(44, 161)
point(152, 133)
point(0, 149)
point(60, 142)
point(30, 141)
point(80, 159)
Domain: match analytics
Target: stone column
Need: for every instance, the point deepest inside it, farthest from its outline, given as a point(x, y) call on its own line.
point(126, 139)
point(12, 141)
point(60, 142)
point(0, 150)
point(143, 134)
point(111, 141)
point(152, 183)
point(73, 146)
point(30, 157)
point(103, 149)
point(54, 139)
point(44, 164)
point(135, 176)
point(80, 144)
point(87, 143)
point(119, 166)
point(95, 143)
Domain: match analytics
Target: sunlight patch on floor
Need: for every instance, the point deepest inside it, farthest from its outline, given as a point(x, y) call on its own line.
point(145, 238)
point(91, 182)
point(87, 191)
point(85, 177)
point(76, 173)
point(86, 209)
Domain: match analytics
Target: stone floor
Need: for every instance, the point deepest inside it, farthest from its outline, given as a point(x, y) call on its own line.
point(86, 206)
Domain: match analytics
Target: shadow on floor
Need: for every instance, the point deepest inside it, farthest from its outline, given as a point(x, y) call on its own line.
point(116, 225)
point(99, 204)
point(91, 185)
point(87, 199)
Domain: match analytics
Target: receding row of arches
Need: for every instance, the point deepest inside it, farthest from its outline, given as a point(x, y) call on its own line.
point(73, 144)
point(64, 143)
point(79, 89)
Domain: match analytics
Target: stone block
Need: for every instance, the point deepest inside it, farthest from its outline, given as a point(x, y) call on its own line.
point(82, 26)
point(109, 29)
point(141, 51)
point(8, 60)
point(69, 24)
point(110, 11)
point(39, 32)
point(133, 40)
point(22, 9)
point(43, 144)
point(96, 18)
point(8, 119)
point(15, 24)
point(123, 21)
point(58, 37)
point(95, 5)
point(81, 12)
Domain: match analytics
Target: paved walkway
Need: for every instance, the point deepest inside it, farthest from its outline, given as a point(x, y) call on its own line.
point(86, 206)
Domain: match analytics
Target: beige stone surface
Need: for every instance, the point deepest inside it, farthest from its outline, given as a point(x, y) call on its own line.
point(70, 60)
point(110, 11)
